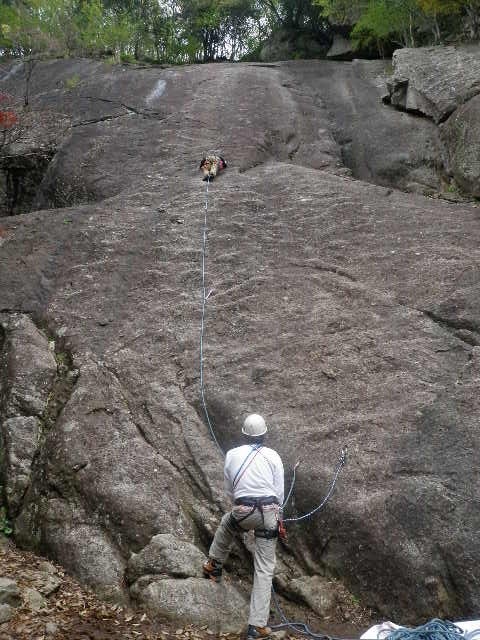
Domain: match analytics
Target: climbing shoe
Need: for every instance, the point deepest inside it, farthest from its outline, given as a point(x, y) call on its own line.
point(212, 570)
point(258, 632)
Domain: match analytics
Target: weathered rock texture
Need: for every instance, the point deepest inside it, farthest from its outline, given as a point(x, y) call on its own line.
point(461, 133)
point(434, 80)
point(28, 373)
point(443, 83)
point(341, 48)
point(345, 312)
point(377, 143)
point(26, 157)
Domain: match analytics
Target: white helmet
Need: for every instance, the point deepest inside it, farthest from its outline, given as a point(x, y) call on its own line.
point(254, 425)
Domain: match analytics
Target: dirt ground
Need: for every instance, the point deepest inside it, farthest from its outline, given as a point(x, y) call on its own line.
point(75, 613)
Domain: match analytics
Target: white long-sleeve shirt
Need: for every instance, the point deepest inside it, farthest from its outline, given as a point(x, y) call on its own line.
point(260, 476)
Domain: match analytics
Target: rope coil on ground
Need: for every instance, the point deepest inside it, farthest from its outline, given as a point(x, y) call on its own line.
point(435, 629)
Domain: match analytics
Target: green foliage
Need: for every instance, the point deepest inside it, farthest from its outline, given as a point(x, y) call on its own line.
point(342, 12)
point(5, 524)
point(183, 31)
point(388, 19)
point(295, 14)
point(72, 83)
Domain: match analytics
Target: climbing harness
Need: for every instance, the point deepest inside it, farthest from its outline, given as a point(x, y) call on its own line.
point(299, 627)
point(250, 458)
point(254, 503)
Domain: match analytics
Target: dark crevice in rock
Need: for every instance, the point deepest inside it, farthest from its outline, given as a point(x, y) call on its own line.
point(20, 178)
point(27, 474)
point(62, 389)
point(328, 269)
point(129, 407)
point(84, 123)
point(465, 330)
point(3, 365)
point(139, 112)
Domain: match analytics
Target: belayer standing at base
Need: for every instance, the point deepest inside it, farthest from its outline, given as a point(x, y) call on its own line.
point(254, 480)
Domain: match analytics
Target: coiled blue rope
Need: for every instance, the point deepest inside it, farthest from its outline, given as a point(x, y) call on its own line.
point(435, 629)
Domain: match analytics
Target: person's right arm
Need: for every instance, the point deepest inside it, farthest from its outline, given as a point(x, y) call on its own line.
point(279, 480)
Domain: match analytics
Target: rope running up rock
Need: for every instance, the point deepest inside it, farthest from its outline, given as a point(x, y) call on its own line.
point(299, 627)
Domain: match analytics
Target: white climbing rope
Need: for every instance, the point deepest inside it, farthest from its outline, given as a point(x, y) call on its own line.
point(299, 627)
point(205, 296)
point(202, 326)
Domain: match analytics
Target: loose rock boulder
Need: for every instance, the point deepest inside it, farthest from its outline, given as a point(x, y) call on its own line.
point(6, 613)
point(166, 554)
point(219, 606)
point(434, 81)
point(10, 592)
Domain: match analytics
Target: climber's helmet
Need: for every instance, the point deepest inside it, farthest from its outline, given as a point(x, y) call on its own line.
point(254, 426)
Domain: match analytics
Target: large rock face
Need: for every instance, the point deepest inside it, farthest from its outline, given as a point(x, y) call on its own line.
point(461, 133)
point(443, 83)
point(434, 80)
point(345, 312)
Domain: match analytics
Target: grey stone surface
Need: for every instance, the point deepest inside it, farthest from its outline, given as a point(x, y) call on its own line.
point(48, 583)
point(6, 613)
point(377, 143)
point(30, 366)
point(51, 628)
point(34, 600)
point(219, 606)
point(286, 44)
point(10, 592)
point(166, 554)
point(343, 311)
point(341, 48)
point(4, 542)
point(20, 436)
point(317, 592)
point(434, 80)
point(461, 135)
point(29, 369)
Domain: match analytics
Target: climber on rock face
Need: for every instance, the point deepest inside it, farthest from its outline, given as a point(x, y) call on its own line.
point(211, 165)
point(254, 480)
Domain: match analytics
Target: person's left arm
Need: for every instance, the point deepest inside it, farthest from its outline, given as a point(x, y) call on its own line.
point(227, 480)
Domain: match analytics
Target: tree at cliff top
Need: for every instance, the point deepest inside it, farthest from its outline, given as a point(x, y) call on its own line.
point(293, 14)
point(384, 24)
point(220, 28)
